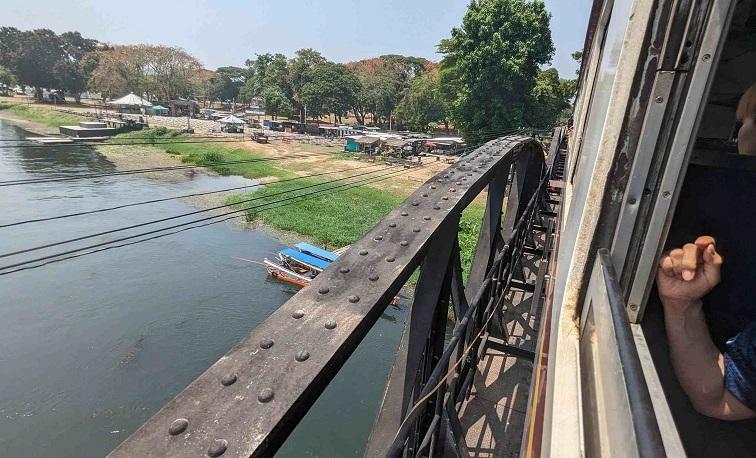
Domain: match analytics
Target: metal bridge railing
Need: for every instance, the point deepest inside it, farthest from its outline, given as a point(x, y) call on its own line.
point(249, 401)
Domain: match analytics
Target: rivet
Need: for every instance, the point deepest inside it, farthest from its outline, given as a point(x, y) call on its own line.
point(433, 186)
point(425, 195)
point(452, 190)
point(659, 99)
point(415, 204)
point(404, 243)
point(706, 57)
point(363, 252)
point(353, 298)
point(404, 213)
point(445, 198)
point(228, 379)
point(390, 259)
point(217, 448)
point(666, 194)
point(302, 355)
point(446, 175)
point(266, 343)
point(392, 224)
point(437, 207)
point(416, 229)
point(178, 426)
point(459, 183)
point(344, 270)
point(469, 174)
point(452, 172)
point(378, 238)
point(632, 201)
point(330, 324)
point(426, 218)
point(373, 277)
point(298, 314)
point(633, 307)
point(265, 395)
point(324, 290)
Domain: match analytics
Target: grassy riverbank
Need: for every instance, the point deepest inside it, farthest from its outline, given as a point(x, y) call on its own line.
point(339, 219)
point(42, 115)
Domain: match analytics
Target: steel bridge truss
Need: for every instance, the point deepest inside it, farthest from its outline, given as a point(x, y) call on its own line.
point(249, 401)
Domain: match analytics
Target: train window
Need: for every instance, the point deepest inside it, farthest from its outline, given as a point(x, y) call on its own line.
point(716, 199)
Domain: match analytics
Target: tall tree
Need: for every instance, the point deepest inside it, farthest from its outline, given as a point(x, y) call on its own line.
point(299, 70)
point(490, 64)
point(383, 81)
point(549, 101)
point(33, 58)
point(268, 78)
point(422, 104)
point(329, 88)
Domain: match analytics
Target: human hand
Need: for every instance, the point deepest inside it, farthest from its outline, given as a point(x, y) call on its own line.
point(687, 274)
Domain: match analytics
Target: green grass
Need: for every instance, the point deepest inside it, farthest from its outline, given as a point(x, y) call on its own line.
point(207, 153)
point(42, 115)
point(332, 220)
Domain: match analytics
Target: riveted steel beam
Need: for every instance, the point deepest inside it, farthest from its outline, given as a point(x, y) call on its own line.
point(250, 400)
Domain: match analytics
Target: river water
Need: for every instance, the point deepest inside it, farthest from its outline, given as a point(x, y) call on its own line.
point(92, 347)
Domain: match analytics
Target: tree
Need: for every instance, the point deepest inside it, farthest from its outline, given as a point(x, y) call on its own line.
point(550, 100)
point(159, 72)
point(329, 88)
point(299, 71)
point(267, 77)
point(276, 102)
point(7, 79)
point(422, 104)
point(490, 65)
point(383, 81)
point(32, 57)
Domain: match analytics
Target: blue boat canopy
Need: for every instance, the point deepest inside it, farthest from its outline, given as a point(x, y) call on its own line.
point(304, 258)
point(318, 252)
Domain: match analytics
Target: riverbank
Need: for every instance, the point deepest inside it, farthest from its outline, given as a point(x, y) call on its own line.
point(339, 219)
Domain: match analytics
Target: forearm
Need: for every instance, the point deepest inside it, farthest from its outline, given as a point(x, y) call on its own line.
point(698, 364)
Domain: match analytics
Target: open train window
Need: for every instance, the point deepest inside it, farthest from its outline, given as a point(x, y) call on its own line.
point(717, 197)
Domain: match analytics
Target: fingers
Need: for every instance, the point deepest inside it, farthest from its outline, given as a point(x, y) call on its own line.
point(705, 240)
point(690, 259)
point(667, 266)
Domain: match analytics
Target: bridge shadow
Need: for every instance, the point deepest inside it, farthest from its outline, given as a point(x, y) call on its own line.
point(494, 414)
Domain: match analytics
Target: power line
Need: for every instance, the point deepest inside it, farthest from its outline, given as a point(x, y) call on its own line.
point(244, 210)
point(134, 204)
point(183, 215)
point(72, 177)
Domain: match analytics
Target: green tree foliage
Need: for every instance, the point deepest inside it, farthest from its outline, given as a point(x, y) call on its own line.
point(42, 59)
point(550, 100)
point(383, 82)
point(300, 74)
point(160, 72)
point(423, 104)
point(7, 80)
point(328, 88)
point(490, 65)
point(268, 77)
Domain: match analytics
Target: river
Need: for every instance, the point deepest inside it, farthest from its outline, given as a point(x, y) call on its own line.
point(91, 347)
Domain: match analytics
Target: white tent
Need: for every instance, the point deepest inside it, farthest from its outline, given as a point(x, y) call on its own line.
point(231, 119)
point(131, 100)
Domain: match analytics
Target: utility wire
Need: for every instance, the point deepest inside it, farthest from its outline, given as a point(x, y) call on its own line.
point(145, 202)
point(244, 210)
point(183, 215)
point(72, 177)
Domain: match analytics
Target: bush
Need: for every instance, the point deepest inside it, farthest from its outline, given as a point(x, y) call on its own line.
point(160, 131)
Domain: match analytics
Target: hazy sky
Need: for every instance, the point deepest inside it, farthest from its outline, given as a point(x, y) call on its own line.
point(227, 32)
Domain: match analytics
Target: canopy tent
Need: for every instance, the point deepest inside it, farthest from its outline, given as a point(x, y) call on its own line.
point(159, 109)
point(231, 119)
point(131, 100)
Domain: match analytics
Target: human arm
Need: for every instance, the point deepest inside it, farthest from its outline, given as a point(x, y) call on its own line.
point(684, 277)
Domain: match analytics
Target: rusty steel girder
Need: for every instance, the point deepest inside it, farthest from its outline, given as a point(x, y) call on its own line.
point(249, 401)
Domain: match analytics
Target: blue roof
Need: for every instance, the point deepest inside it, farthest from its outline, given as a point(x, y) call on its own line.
point(304, 258)
point(318, 252)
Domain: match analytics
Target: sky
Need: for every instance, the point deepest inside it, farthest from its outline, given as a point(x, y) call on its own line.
point(227, 32)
